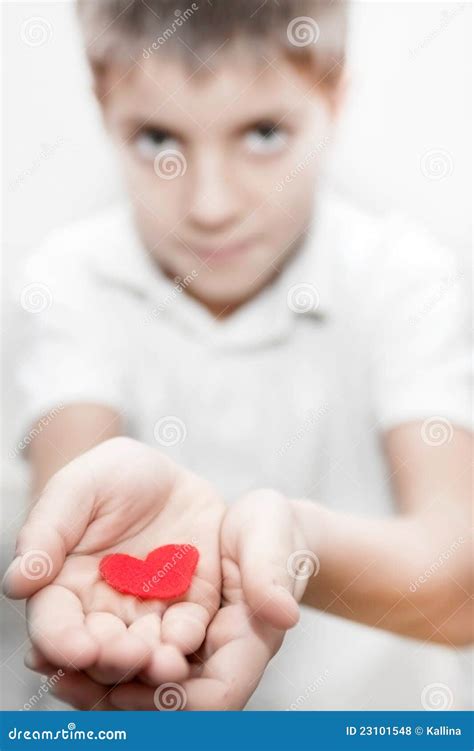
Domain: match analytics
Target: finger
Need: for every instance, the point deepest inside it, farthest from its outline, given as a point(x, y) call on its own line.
point(57, 628)
point(53, 527)
point(133, 696)
point(81, 692)
point(147, 628)
point(34, 660)
point(75, 688)
point(239, 650)
point(227, 682)
point(261, 543)
point(121, 654)
point(184, 625)
point(231, 675)
point(167, 663)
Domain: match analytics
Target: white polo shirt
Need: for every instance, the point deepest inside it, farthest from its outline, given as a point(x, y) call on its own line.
point(367, 328)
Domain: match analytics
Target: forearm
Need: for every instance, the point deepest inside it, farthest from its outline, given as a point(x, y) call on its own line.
point(410, 574)
point(75, 429)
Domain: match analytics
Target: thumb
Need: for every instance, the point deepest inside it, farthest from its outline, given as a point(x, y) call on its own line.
point(263, 533)
point(53, 527)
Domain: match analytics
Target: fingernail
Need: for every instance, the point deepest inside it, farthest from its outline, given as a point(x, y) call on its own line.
point(291, 604)
point(10, 570)
point(29, 660)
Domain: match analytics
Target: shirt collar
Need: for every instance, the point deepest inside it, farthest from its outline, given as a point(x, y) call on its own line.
point(301, 290)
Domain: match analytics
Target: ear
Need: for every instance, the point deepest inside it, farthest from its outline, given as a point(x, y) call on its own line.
point(98, 73)
point(338, 94)
point(101, 86)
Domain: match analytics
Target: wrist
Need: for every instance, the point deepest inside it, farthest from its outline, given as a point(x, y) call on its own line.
point(313, 522)
point(311, 533)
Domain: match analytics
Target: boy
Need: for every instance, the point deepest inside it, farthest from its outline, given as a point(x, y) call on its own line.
point(263, 333)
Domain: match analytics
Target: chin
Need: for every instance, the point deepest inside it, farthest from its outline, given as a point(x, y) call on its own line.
point(226, 296)
point(221, 295)
point(232, 283)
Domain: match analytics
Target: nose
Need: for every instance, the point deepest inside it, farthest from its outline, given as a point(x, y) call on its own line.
point(213, 193)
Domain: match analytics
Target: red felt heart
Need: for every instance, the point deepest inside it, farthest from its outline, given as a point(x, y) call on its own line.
point(165, 573)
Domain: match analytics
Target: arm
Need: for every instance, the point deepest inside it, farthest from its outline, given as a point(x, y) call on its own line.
point(366, 568)
point(410, 574)
point(75, 429)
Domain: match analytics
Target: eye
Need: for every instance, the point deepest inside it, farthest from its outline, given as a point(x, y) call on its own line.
point(150, 141)
point(266, 138)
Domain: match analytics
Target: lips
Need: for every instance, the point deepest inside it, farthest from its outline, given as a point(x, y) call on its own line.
point(219, 253)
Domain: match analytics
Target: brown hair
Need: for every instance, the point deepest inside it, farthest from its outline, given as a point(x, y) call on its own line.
point(306, 31)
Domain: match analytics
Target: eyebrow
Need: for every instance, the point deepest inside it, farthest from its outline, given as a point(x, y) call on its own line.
point(278, 117)
point(275, 114)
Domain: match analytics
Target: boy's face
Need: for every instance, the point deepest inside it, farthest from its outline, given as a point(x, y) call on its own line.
point(221, 166)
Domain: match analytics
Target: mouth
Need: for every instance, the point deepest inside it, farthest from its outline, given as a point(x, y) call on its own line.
point(221, 253)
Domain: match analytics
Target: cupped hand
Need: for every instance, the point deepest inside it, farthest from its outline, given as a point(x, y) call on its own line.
point(121, 496)
point(259, 541)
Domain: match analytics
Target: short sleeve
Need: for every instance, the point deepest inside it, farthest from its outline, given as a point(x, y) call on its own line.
point(68, 347)
point(421, 357)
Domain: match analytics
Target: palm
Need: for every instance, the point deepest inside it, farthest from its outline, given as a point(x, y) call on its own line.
point(139, 502)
